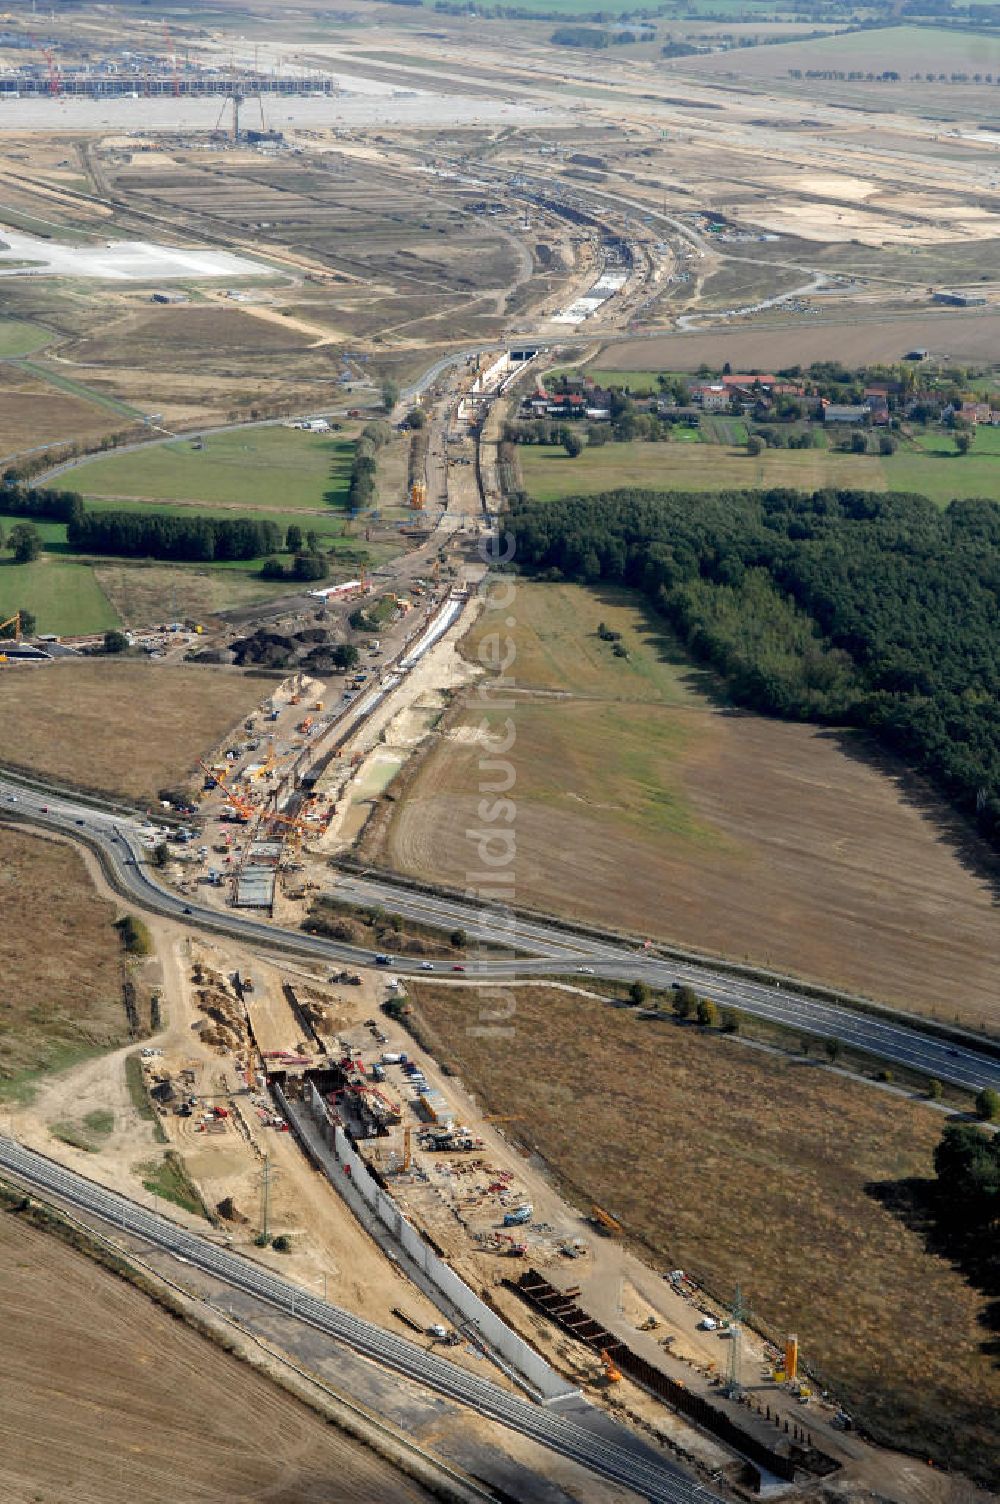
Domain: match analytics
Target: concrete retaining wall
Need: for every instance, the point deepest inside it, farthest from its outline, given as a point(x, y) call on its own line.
point(494, 1331)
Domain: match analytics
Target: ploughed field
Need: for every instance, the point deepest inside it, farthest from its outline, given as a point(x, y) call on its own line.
point(643, 802)
point(107, 1399)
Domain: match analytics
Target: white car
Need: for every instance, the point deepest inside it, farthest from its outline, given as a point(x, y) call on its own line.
point(426, 966)
point(586, 971)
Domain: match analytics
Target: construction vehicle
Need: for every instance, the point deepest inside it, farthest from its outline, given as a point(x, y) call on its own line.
point(612, 1372)
point(12, 621)
point(418, 496)
point(519, 1216)
point(605, 1221)
point(305, 725)
point(242, 809)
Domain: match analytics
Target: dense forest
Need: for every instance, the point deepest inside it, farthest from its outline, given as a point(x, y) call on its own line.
point(142, 535)
point(28, 501)
point(148, 535)
point(852, 607)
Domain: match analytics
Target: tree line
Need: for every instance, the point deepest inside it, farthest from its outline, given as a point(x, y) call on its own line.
point(31, 501)
point(858, 608)
point(362, 490)
point(148, 535)
point(151, 535)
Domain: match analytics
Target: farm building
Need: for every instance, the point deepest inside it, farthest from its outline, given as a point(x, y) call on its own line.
point(835, 412)
point(960, 299)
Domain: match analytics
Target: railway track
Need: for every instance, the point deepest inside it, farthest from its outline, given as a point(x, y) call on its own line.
point(632, 1466)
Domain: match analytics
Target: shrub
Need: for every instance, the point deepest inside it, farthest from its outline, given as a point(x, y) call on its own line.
point(708, 1013)
point(135, 936)
point(988, 1105)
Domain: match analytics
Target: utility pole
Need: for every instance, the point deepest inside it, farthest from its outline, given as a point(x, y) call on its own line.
point(265, 1190)
point(737, 1315)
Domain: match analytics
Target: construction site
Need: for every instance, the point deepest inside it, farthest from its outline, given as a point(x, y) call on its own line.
point(230, 258)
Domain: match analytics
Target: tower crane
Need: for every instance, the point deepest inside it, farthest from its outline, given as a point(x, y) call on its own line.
point(240, 805)
point(55, 87)
point(172, 59)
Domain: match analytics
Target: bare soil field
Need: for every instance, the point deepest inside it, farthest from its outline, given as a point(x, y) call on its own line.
point(969, 336)
point(352, 213)
point(743, 1168)
point(780, 844)
point(62, 979)
point(121, 728)
point(120, 1401)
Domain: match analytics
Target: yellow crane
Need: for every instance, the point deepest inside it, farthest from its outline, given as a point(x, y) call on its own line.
point(12, 621)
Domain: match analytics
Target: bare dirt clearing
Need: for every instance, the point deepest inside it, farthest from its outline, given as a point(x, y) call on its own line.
point(116, 1388)
point(781, 1155)
point(62, 981)
point(124, 728)
point(780, 844)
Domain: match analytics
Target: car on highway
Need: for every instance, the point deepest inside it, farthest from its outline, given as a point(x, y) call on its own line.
point(186, 910)
point(586, 971)
point(458, 968)
point(44, 809)
point(426, 966)
point(81, 822)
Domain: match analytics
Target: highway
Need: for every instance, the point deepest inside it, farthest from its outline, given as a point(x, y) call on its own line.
point(633, 1467)
point(546, 950)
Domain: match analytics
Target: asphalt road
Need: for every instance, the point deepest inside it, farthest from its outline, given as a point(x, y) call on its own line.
point(546, 950)
point(619, 1462)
